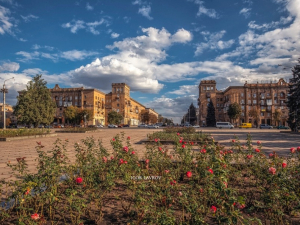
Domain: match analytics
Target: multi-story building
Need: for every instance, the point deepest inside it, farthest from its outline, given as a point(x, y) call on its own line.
point(101, 104)
point(91, 99)
point(265, 97)
point(8, 114)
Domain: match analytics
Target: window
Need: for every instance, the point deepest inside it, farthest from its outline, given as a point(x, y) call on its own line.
point(269, 107)
point(262, 95)
point(212, 88)
point(217, 105)
point(249, 107)
point(118, 105)
point(208, 99)
point(204, 88)
point(262, 114)
point(254, 95)
point(262, 107)
point(268, 114)
point(121, 90)
point(254, 101)
point(249, 101)
point(275, 94)
point(249, 95)
point(262, 102)
point(281, 101)
point(242, 94)
point(218, 99)
point(208, 88)
point(242, 101)
point(85, 97)
point(268, 94)
point(117, 110)
point(243, 107)
point(221, 99)
point(281, 94)
point(84, 102)
point(275, 101)
point(242, 114)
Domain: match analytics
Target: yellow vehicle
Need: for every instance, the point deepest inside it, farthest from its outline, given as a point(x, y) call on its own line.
point(246, 125)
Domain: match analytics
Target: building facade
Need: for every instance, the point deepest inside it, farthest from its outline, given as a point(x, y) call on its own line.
point(8, 114)
point(99, 103)
point(264, 97)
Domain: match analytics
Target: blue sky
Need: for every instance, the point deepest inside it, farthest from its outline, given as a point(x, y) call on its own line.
point(161, 48)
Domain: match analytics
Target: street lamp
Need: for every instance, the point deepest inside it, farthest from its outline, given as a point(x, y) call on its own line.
point(4, 90)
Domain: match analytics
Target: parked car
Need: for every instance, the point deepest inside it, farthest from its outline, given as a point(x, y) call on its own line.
point(126, 125)
point(112, 126)
point(41, 126)
point(265, 126)
point(196, 126)
point(153, 126)
point(99, 126)
point(245, 125)
point(91, 125)
point(48, 126)
point(282, 127)
point(224, 125)
point(142, 125)
point(120, 126)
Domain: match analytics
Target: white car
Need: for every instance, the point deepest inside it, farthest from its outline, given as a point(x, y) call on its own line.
point(196, 126)
point(112, 126)
point(153, 126)
point(142, 125)
point(99, 126)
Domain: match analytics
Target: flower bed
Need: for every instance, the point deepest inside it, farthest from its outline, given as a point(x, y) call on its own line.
point(77, 130)
point(181, 130)
point(22, 132)
point(169, 137)
point(202, 188)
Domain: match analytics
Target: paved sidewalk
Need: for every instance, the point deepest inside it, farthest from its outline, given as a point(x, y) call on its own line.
point(272, 140)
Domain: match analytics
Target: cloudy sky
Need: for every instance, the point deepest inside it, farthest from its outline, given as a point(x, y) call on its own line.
point(161, 48)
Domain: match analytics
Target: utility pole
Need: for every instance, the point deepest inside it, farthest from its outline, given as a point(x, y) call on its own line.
point(4, 90)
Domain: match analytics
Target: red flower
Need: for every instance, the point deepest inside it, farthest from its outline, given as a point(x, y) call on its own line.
point(284, 165)
point(156, 140)
point(35, 216)
point(133, 152)
point(211, 171)
point(271, 155)
point(128, 138)
point(180, 141)
point(125, 149)
point(189, 174)
point(257, 150)
point(201, 190)
point(147, 161)
point(121, 161)
point(183, 146)
point(178, 134)
point(272, 170)
point(184, 142)
point(111, 157)
point(104, 159)
point(258, 142)
point(233, 141)
point(249, 156)
point(78, 180)
point(240, 206)
point(292, 150)
point(113, 139)
point(203, 151)
point(173, 182)
point(298, 149)
point(159, 148)
point(225, 183)
point(125, 162)
point(213, 209)
point(192, 143)
point(27, 192)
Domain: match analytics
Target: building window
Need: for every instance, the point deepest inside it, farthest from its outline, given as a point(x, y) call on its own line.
point(121, 90)
point(249, 107)
point(269, 107)
point(208, 99)
point(242, 114)
point(243, 107)
point(218, 99)
point(221, 99)
point(242, 101)
point(254, 95)
point(269, 114)
point(217, 105)
point(262, 102)
point(281, 101)
point(204, 88)
point(281, 94)
point(242, 94)
point(268, 94)
point(249, 101)
point(254, 101)
point(249, 95)
point(84, 102)
point(118, 105)
point(262, 114)
point(118, 110)
point(212, 88)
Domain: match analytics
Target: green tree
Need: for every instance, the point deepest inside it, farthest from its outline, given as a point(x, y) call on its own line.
point(293, 102)
point(114, 117)
point(255, 114)
point(277, 116)
point(35, 105)
point(211, 115)
point(71, 113)
point(191, 114)
point(145, 117)
point(88, 113)
point(234, 111)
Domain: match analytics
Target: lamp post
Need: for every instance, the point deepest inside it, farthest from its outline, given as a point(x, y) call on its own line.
point(4, 90)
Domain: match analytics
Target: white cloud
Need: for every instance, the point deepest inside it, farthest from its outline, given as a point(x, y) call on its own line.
point(29, 18)
point(89, 7)
point(5, 21)
point(182, 36)
point(245, 12)
point(145, 11)
point(28, 56)
point(34, 71)
point(36, 47)
point(76, 25)
point(205, 11)
point(115, 35)
point(137, 2)
point(126, 19)
point(77, 55)
point(273, 24)
point(9, 66)
point(213, 42)
point(186, 89)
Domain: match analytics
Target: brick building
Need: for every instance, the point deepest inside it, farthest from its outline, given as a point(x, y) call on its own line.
point(265, 97)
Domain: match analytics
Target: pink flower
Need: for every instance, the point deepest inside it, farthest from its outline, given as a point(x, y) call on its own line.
point(189, 174)
point(180, 193)
point(272, 170)
point(233, 141)
point(78, 180)
point(156, 140)
point(147, 161)
point(133, 152)
point(121, 161)
point(35, 216)
point(271, 155)
point(178, 134)
point(258, 142)
point(113, 139)
point(213, 209)
point(104, 159)
point(192, 143)
point(298, 149)
point(201, 190)
point(203, 151)
point(292, 150)
point(257, 150)
point(211, 171)
point(159, 148)
point(125, 162)
point(111, 157)
point(167, 171)
point(125, 149)
point(180, 141)
point(128, 138)
point(249, 156)
point(284, 165)
point(183, 146)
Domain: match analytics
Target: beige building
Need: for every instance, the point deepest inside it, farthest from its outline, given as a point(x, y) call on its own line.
point(100, 103)
point(266, 97)
point(9, 114)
